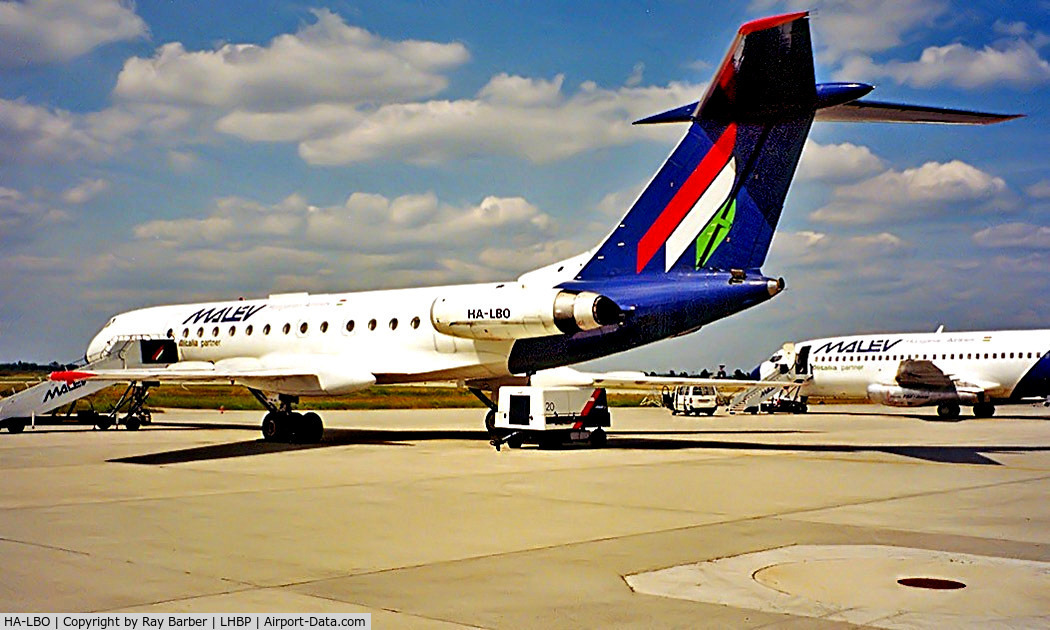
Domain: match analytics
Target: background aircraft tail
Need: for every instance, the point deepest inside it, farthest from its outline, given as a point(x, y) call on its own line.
point(716, 201)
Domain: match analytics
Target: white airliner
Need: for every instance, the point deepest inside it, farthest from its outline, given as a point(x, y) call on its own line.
point(687, 253)
point(947, 369)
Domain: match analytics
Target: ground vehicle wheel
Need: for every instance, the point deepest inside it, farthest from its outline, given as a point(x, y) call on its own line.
point(16, 425)
point(803, 408)
point(598, 438)
point(311, 429)
point(948, 411)
point(983, 410)
point(132, 423)
point(515, 441)
point(710, 412)
point(103, 422)
point(490, 421)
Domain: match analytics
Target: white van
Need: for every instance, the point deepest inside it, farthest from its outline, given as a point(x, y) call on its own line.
point(692, 400)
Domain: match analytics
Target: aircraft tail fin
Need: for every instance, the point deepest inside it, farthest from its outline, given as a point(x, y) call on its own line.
point(716, 201)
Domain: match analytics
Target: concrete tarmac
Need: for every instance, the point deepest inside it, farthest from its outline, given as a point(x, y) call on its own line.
point(731, 521)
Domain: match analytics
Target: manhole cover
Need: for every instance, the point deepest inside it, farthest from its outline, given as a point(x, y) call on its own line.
point(937, 584)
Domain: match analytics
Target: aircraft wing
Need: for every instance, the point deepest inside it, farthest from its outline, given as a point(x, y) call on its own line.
point(923, 374)
point(640, 381)
point(286, 374)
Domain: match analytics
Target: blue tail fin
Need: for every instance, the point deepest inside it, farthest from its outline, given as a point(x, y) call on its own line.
point(717, 199)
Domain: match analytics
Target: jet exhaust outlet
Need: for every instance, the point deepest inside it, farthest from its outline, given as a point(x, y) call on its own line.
point(517, 312)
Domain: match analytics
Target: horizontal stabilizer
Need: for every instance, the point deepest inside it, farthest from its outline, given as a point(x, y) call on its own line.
point(878, 111)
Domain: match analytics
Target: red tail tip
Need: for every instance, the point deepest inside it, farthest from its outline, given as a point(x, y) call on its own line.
point(762, 24)
point(69, 376)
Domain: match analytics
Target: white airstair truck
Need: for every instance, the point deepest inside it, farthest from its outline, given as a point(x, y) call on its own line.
point(790, 367)
point(23, 407)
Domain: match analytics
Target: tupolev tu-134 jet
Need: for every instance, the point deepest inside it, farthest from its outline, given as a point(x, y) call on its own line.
point(688, 252)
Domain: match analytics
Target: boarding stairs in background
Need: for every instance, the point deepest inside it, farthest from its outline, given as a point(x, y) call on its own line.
point(790, 369)
point(22, 407)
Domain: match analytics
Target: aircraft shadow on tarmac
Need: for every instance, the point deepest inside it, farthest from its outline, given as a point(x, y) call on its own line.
point(628, 440)
point(954, 454)
point(928, 417)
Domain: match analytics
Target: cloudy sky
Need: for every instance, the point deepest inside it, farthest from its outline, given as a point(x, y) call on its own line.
point(182, 151)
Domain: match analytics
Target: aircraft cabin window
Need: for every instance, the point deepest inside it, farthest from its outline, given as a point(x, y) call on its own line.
point(248, 330)
point(1011, 355)
point(371, 324)
point(171, 334)
point(393, 323)
point(415, 322)
point(215, 332)
point(287, 328)
point(324, 327)
point(350, 326)
point(303, 328)
point(233, 330)
point(266, 329)
point(185, 332)
point(200, 332)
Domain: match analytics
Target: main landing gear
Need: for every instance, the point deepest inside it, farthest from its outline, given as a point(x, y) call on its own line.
point(983, 410)
point(948, 410)
point(281, 424)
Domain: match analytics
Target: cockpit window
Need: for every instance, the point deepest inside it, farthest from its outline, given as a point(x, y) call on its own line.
point(774, 358)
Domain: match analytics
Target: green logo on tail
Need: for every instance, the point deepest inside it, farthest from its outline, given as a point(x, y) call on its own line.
point(714, 233)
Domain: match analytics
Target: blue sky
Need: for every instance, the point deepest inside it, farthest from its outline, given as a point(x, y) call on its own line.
point(166, 152)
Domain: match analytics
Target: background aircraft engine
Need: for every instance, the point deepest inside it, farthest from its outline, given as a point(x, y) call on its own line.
point(896, 396)
point(515, 312)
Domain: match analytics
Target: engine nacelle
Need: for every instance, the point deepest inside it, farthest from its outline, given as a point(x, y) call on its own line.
point(516, 312)
point(896, 396)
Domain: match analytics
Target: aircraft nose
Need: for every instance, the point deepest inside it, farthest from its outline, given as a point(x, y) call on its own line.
point(100, 342)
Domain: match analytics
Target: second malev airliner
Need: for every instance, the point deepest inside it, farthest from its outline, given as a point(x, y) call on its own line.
point(946, 369)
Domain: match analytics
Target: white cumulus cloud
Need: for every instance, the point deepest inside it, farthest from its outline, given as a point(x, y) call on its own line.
point(836, 161)
point(1015, 234)
point(85, 191)
point(327, 61)
point(516, 116)
point(48, 31)
point(932, 187)
point(1015, 62)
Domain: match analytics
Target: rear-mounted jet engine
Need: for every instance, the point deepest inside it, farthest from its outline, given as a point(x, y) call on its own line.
point(516, 312)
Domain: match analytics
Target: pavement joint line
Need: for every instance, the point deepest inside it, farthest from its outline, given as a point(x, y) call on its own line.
point(180, 599)
point(42, 546)
point(786, 514)
point(916, 495)
point(578, 543)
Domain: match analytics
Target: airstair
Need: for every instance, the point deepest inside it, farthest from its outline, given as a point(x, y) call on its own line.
point(788, 367)
point(24, 406)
